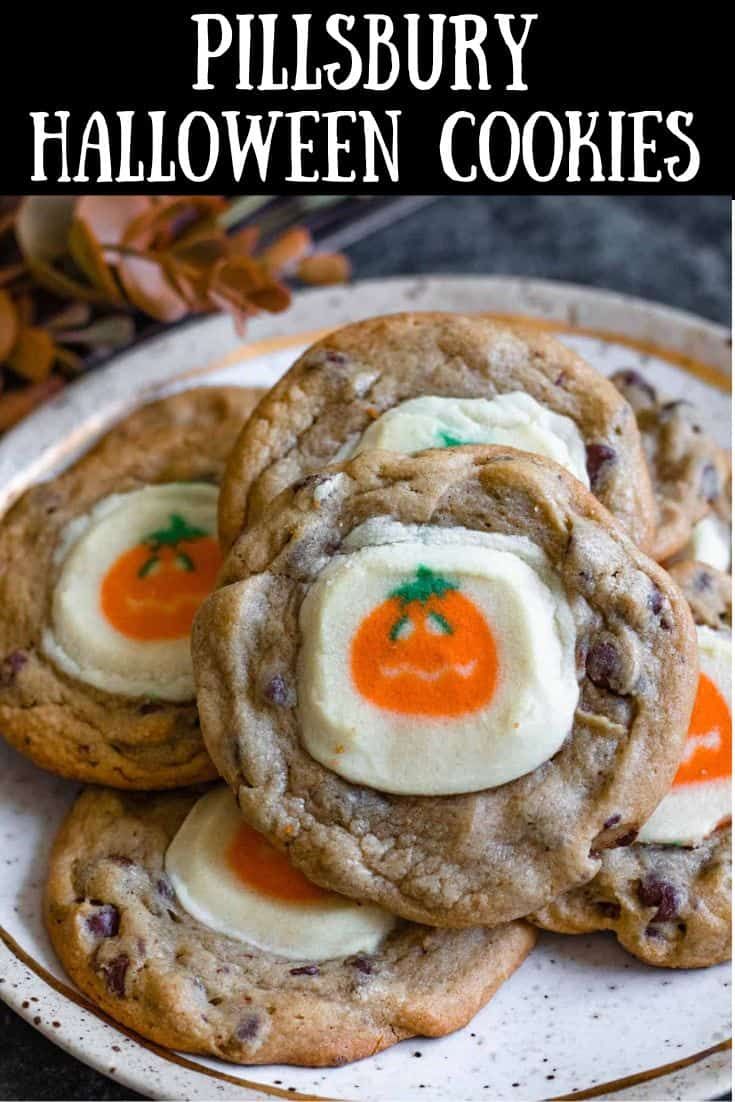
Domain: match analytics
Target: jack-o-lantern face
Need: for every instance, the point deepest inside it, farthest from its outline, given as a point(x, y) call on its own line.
point(152, 591)
point(426, 650)
point(708, 749)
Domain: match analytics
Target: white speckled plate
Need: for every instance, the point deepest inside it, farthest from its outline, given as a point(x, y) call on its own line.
point(580, 1019)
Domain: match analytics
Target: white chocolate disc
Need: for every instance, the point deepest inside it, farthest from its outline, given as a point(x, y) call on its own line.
point(692, 810)
point(515, 419)
point(81, 640)
point(322, 928)
point(710, 542)
point(464, 682)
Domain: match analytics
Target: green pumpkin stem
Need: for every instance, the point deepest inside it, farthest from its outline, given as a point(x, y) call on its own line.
point(449, 441)
point(426, 584)
point(177, 531)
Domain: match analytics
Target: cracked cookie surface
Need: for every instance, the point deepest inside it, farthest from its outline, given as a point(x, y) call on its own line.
point(62, 723)
point(492, 855)
point(338, 387)
point(667, 905)
point(689, 471)
point(124, 938)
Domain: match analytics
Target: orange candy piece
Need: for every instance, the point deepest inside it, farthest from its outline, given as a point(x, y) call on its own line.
point(153, 595)
point(260, 866)
point(708, 749)
point(426, 650)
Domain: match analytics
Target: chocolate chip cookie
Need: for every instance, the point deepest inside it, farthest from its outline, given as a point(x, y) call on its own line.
point(322, 408)
point(669, 905)
point(125, 938)
point(84, 618)
point(688, 469)
point(356, 610)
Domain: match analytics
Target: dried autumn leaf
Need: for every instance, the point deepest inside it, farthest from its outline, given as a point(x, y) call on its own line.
point(42, 230)
point(69, 360)
point(42, 226)
point(244, 241)
point(169, 218)
point(11, 272)
point(246, 282)
point(322, 269)
point(33, 354)
point(287, 250)
point(109, 332)
point(147, 287)
point(72, 315)
point(17, 404)
point(9, 325)
point(109, 216)
point(87, 255)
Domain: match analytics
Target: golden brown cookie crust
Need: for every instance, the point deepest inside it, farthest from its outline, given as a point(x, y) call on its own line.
point(708, 592)
point(669, 906)
point(64, 725)
point(343, 382)
point(129, 945)
point(453, 860)
point(666, 905)
point(689, 471)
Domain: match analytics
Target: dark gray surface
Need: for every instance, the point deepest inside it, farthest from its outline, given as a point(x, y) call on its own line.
point(674, 250)
point(670, 249)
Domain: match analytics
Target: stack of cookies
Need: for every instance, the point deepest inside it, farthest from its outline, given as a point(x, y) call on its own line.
point(448, 613)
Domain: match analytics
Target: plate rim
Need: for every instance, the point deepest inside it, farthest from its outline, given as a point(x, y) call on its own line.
point(553, 295)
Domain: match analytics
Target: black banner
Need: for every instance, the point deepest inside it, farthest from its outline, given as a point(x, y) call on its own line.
point(554, 97)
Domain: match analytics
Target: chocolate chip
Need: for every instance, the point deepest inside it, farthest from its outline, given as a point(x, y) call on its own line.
point(114, 972)
point(163, 887)
point(598, 455)
point(702, 581)
point(709, 483)
point(305, 970)
point(653, 931)
point(105, 922)
point(331, 356)
point(11, 666)
point(611, 822)
point(277, 691)
point(248, 1028)
point(561, 379)
point(655, 600)
point(654, 892)
point(626, 839)
point(121, 860)
point(608, 909)
point(603, 664)
point(362, 964)
point(634, 378)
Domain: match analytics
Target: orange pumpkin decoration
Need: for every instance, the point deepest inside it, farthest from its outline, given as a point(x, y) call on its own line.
point(426, 650)
point(151, 592)
point(708, 749)
point(261, 866)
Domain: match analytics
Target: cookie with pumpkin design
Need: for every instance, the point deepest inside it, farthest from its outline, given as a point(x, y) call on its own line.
point(689, 471)
point(179, 921)
point(101, 571)
point(444, 683)
point(409, 382)
point(668, 897)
